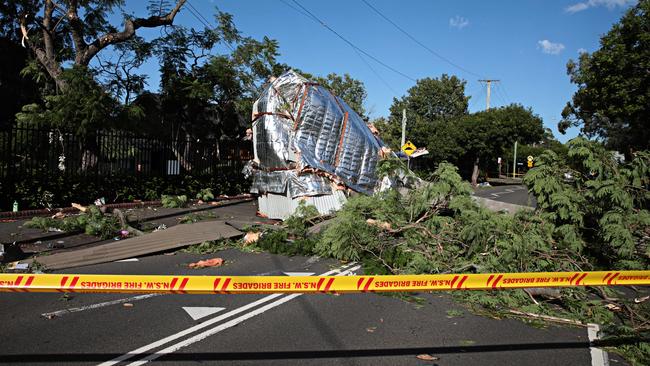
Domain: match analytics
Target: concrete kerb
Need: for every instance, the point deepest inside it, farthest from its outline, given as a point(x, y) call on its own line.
point(143, 204)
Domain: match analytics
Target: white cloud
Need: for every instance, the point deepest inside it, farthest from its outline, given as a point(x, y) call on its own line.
point(549, 47)
point(609, 4)
point(458, 22)
point(581, 51)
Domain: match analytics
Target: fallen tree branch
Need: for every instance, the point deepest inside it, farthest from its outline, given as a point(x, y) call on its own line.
point(124, 224)
point(547, 317)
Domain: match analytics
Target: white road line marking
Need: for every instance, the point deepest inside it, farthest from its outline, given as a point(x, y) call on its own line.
point(298, 273)
point(98, 305)
point(128, 260)
point(598, 356)
point(217, 329)
point(198, 312)
point(212, 321)
point(229, 324)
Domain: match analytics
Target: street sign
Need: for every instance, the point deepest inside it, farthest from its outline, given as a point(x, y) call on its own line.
point(408, 148)
point(530, 158)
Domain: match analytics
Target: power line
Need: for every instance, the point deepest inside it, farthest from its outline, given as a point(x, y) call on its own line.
point(420, 43)
point(376, 73)
point(473, 101)
point(354, 46)
point(503, 89)
point(501, 95)
point(197, 15)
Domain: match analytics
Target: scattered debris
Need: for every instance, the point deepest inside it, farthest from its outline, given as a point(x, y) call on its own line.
point(544, 292)
point(126, 229)
point(613, 307)
point(160, 228)
point(547, 317)
point(127, 305)
point(641, 299)
point(427, 357)
point(251, 237)
point(49, 316)
point(214, 262)
point(57, 245)
point(173, 238)
point(17, 266)
point(371, 329)
point(100, 201)
point(380, 224)
point(58, 215)
point(79, 207)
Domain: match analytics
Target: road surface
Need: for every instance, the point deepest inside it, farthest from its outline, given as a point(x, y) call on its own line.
point(352, 329)
point(515, 194)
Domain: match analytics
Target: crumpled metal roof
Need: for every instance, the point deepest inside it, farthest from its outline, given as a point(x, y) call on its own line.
point(305, 138)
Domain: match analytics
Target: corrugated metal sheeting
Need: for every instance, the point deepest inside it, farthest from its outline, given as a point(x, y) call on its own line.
point(306, 140)
point(278, 206)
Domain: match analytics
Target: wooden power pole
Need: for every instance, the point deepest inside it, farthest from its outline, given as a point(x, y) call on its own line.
point(489, 83)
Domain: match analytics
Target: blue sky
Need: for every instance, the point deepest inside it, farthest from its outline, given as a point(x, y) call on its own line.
point(525, 44)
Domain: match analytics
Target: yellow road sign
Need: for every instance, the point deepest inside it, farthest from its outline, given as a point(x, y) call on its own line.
point(408, 148)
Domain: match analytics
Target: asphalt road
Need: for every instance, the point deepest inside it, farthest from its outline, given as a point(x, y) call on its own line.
point(515, 194)
point(353, 329)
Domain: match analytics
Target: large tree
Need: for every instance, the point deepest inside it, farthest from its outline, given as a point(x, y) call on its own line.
point(351, 90)
point(75, 31)
point(612, 102)
point(205, 94)
point(431, 106)
point(486, 135)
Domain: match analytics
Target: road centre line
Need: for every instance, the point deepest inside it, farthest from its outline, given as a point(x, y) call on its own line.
point(203, 335)
point(98, 305)
point(342, 270)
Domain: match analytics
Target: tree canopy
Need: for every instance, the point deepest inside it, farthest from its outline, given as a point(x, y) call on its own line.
point(486, 135)
point(438, 119)
point(72, 31)
point(430, 105)
point(612, 102)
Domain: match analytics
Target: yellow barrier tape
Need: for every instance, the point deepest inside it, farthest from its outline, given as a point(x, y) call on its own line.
point(311, 284)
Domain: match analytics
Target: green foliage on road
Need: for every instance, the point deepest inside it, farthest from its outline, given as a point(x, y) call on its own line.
point(92, 222)
point(598, 220)
point(602, 212)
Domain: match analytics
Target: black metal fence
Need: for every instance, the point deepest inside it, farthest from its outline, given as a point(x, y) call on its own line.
point(39, 161)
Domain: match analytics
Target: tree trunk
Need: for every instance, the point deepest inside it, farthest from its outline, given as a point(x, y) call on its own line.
point(47, 55)
point(475, 173)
